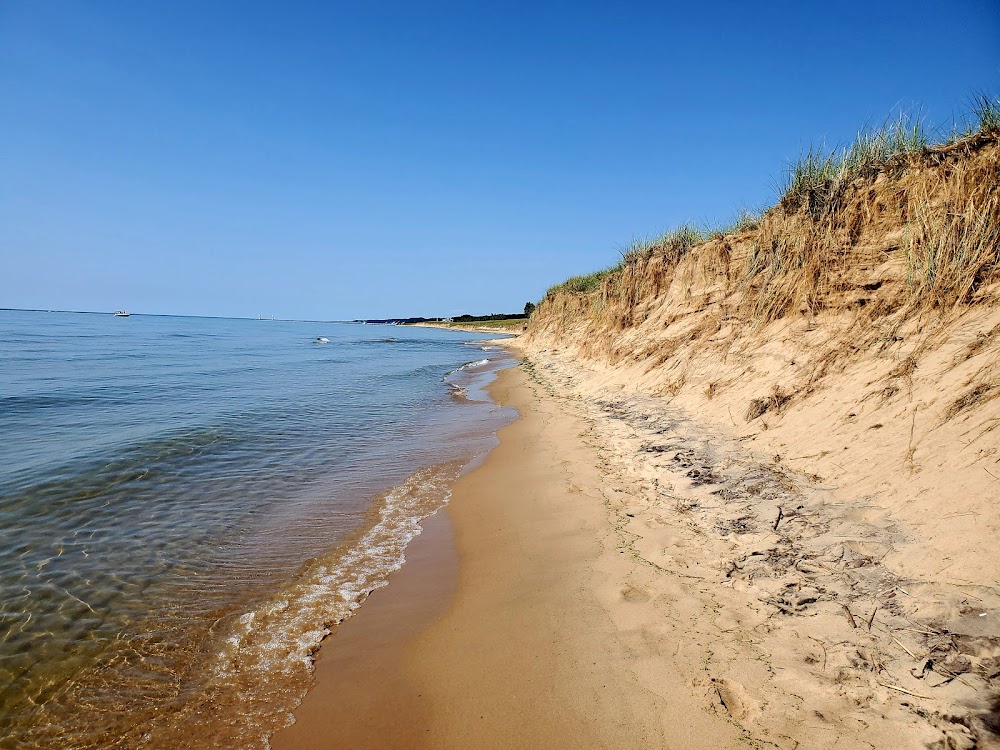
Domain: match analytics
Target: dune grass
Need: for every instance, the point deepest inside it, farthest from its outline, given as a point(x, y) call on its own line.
point(986, 111)
point(677, 240)
point(819, 175)
point(795, 244)
point(950, 255)
point(745, 220)
point(584, 284)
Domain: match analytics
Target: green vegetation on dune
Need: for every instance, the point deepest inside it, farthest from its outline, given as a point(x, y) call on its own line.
point(590, 282)
point(499, 324)
point(986, 111)
point(819, 175)
point(678, 240)
point(818, 179)
point(745, 220)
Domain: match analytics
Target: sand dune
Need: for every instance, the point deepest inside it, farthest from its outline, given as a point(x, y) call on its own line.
point(800, 436)
point(753, 499)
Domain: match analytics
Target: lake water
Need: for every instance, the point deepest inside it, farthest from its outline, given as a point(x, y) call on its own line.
point(189, 505)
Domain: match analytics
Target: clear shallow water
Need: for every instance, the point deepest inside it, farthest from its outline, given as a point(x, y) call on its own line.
point(188, 505)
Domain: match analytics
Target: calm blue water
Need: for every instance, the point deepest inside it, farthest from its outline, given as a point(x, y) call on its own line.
point(188, 505)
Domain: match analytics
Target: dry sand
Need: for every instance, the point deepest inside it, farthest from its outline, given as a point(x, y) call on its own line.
point(838, 556)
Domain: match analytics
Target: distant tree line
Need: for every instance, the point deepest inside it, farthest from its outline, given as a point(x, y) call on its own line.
point(529, 307)
point(493, 316)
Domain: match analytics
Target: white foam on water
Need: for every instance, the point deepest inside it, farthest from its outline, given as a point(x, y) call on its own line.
point(477, 363)
point(272, 647)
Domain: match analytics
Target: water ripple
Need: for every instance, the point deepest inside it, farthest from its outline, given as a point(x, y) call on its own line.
point(165, 479)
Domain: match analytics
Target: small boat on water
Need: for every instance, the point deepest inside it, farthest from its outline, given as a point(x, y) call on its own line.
point(121, 313)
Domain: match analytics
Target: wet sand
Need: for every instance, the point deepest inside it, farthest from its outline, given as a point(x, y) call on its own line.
point(540, 644)
point(362, 697)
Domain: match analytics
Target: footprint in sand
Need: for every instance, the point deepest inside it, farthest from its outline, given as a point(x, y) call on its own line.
point(635, 594)
point(732, 697)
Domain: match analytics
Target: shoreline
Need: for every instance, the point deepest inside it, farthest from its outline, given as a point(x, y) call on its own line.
point(360, 690)
point(203, 556)
point(535, 644)
point(621, 581)
point(513, 331)
point(548, 654)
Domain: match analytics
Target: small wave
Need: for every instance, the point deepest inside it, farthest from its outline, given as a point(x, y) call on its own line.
point(90, 482)
point(465, 368)
point(458, 392)
point(20, 404)
point(477, 363)
point(433, 369)
point(272, 647)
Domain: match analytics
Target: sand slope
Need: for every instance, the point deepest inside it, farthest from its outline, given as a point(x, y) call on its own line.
point(801, 436)
point(770, 613)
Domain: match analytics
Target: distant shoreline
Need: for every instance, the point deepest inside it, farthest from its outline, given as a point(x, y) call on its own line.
point(512, 327)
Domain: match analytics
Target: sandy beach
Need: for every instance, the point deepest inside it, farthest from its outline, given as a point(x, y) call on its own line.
point(485, 377)
point(746, 502)
point(621, 572)
point(514, 327)
point(546, 641)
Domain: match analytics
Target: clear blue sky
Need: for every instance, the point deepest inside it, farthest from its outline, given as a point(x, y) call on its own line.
point(368, 159)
